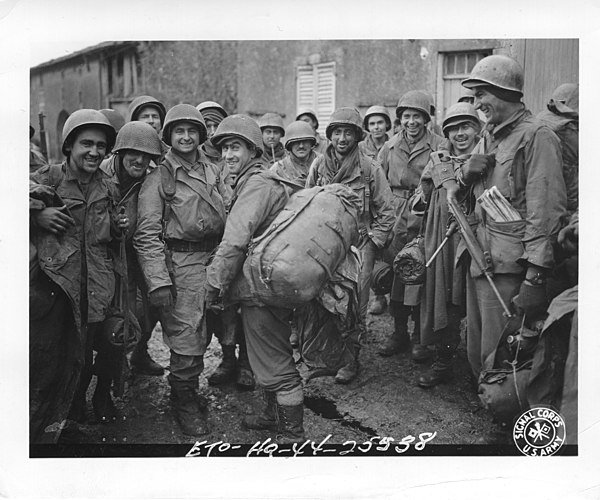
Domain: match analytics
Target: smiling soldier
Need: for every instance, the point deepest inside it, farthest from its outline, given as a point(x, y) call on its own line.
point(73, 243)
point(403, 159)
point(344, 163)
point(181, 216)
point(522, 158)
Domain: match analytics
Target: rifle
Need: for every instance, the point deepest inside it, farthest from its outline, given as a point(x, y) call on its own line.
point(43, 145)
point(482, 259)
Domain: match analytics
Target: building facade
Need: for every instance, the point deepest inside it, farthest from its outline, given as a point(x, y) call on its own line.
point(255, 77)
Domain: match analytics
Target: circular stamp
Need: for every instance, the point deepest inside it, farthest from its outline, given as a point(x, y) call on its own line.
point(539, 432)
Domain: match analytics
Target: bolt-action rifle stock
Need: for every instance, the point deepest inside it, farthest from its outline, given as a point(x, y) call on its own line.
point(481, 259)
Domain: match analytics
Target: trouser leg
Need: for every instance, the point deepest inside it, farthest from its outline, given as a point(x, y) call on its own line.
point(267, 331)
point(368, 253)
point(485, 316)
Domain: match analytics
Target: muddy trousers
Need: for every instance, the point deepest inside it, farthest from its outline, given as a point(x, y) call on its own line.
point(485, 319)
point(185, 368)
point(267, 330)
point(368, 252)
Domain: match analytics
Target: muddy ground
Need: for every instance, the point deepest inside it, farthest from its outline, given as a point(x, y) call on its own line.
point(383, 401)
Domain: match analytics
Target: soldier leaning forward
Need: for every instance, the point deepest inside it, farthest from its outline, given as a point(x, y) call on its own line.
point(257, 199)
point(181, 216)
point(403, 159)
point(73, 223)
point(522, 158)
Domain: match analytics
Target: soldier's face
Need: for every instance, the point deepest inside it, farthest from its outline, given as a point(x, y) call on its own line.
point(413, 121)
point(377, 126)
point(343, 139)
point(462, 137)
point(236, 153)
point(271, 136)
point(88, 150)
point(211, 128)
point(150, 115)
point(308, 119)
point(494, 108)
point(301, 149)
point(185, 137)
point(135, 163)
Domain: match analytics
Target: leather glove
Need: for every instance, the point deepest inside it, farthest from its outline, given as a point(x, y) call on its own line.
point(161, 297)
point(532, 299)
point(213, 299)
point(476, 166)
point(568, 238)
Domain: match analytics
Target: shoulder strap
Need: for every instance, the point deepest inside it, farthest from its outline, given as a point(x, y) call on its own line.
point(55, 176)
point(167, 190)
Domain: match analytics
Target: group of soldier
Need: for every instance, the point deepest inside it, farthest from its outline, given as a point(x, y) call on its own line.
point(158, 213)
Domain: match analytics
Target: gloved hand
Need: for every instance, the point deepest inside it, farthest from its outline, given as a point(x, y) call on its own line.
point(476, 166)
point(532, 299)
point(568, 238)
point(161, 297)
point(213, 299)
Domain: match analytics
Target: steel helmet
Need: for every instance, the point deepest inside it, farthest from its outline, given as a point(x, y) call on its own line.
point(459, 113)
point(466, 95)
point(498, 71)
point(348, 117)
point(87, 118)
point(565, 98)
point(146, 100)
point(271, 120)
point(241, 126)
point(179, 113)
point(377, 110)
point(212, 110)
point(309, 112)
point(299, 131)
point(415, 99)
point(383, 277)
point(114, 117)
point(138, 136)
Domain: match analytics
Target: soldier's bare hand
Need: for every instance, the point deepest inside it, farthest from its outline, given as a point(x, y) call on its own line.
point(54, 219)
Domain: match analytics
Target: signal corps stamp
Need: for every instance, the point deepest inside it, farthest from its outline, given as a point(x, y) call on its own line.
point(539, 431)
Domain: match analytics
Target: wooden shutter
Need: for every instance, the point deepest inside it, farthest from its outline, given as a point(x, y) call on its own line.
point(316, 90)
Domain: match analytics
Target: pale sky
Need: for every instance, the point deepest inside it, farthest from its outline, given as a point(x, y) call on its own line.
point(43, 51)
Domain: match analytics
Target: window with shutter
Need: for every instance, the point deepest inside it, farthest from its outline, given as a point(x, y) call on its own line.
point(316, 90)
point(456, 66)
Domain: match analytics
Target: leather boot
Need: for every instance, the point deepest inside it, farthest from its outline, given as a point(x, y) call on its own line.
point(379, 305)
point(441, 368)
point(349, 372)
point(419, 353)
point(142, 363)
point(399, 341)
point(245, 376)
point(226, 371)
point(291, 424)
point(267, 419)
point(102, 402)
point(186, 408)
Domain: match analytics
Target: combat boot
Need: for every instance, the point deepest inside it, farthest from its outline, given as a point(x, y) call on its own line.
point(142, 363)
point(399, 341)
point(226, 371)
point(291, 424)
point(245, 377)
point(379, 305)
point(102, 402)
point(267, 419)
point(349, 372)
point(187, 410)
point(421, 353)
point(441, 368)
